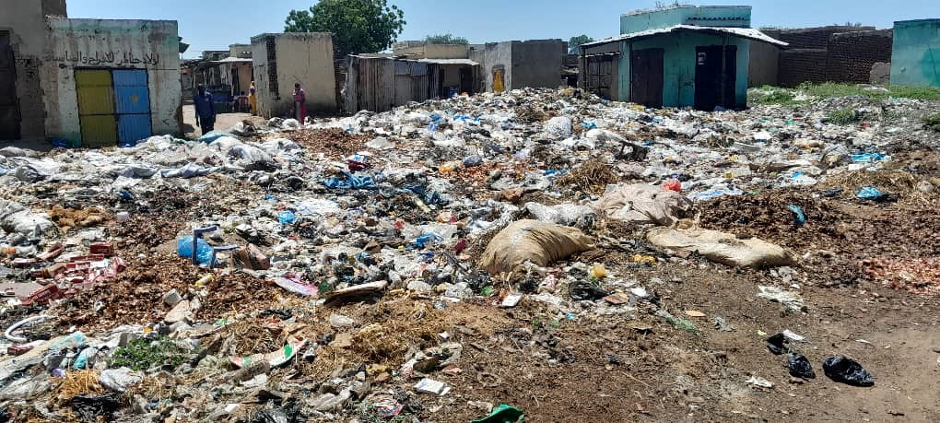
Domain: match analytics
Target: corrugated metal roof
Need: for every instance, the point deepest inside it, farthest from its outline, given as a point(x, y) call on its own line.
point(449, 61)
point(750, 33)
point(231, 59)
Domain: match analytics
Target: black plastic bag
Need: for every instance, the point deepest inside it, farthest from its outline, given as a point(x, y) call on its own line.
point(845, 370)
point(777, 344)
point(288, 412)
point(584, 290)
point(90, 407)
point(799, 366)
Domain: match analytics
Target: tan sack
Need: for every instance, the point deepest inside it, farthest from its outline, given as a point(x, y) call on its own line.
point(722, 247)
point(643, 204)
point(529, 240)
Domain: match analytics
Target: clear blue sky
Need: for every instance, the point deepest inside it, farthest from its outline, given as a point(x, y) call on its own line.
point(214, 24)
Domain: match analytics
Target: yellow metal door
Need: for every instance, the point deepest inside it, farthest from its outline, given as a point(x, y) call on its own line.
point(96, 108)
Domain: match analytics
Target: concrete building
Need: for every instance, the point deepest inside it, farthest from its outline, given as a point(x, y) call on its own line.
point(509, 65)
point(915, 53)
point(422, 50)
point(673, 57)
point(22, 38)
point(281, 60)
point(91, 82)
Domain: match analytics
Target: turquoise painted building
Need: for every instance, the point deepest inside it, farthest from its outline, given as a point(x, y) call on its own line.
point(915, 53)
point(674, 57)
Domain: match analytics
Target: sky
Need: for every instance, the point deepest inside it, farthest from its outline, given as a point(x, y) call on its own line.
point(214, 24)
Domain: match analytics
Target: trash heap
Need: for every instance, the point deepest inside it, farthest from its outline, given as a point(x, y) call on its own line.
point(342, 269)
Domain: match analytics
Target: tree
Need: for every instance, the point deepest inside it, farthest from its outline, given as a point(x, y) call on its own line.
point(445, 39)
point(359, 26)
point(576, 41)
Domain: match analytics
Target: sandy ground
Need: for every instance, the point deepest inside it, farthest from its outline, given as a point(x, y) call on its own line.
point(224, 121)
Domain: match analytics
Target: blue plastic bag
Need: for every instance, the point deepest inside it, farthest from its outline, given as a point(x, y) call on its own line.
point(799, 217)
point(286, 217)
point(212, 136)
point(867, 157)
point(351, 182)
point(869, 193)
point(184, 248)
point(429, 197)
point(426, 239)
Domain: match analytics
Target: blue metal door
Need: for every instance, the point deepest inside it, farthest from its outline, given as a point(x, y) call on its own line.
point(132, 99)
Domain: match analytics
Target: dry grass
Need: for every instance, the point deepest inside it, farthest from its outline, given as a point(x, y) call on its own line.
point(895, 182)
point(79, 382)
point(592, 177)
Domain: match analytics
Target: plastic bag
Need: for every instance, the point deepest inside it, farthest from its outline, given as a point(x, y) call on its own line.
point(845, 370)
point(799, 366)
point(559, 127)
point(184, 248)
point(529, 240)
point(286, 217)
point(503, 414)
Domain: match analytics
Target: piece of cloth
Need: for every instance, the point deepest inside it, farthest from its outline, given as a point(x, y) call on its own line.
point(300, 105)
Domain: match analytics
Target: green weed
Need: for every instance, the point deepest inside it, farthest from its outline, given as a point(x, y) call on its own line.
point(143, 354)
point(841, 116)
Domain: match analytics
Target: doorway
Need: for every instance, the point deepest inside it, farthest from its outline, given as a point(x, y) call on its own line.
point(467, 79)
point(9, 108)
point(647, 77)
point(715, 77)
point(113, 106)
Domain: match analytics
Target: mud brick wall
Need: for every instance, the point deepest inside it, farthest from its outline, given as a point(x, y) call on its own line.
point(798, 65)
point(850, 55)
point(814, 38)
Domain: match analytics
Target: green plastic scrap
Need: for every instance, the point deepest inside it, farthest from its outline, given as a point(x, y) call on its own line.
point(680, 323)
point(503, 414)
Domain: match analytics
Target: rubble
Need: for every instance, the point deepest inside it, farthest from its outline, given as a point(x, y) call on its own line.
point(427, 263)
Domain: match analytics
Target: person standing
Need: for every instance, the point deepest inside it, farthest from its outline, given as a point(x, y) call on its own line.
point(205, 109)
point(300, 103)
point(252, 100)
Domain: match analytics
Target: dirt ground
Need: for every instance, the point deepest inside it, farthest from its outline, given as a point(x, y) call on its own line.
point(224, 121)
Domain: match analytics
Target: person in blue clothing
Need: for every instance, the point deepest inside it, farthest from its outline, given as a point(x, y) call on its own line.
point(205, 109)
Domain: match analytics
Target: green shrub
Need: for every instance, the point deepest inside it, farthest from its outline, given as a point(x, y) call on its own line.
point(841, 116)
point(931, 122)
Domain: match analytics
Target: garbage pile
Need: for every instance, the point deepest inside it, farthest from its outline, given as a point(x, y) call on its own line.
point(343, 268)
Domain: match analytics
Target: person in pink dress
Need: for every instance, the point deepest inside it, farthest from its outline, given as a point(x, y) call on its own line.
point(300, 103)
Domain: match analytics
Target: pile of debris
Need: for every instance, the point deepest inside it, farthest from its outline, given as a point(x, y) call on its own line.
point(371, 267)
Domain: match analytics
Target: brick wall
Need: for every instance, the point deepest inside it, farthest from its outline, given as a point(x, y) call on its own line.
point(814, 38)
point(798, 65)
point(850, 55)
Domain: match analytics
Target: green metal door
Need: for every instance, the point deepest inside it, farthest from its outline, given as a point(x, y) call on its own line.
point(96, 108)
